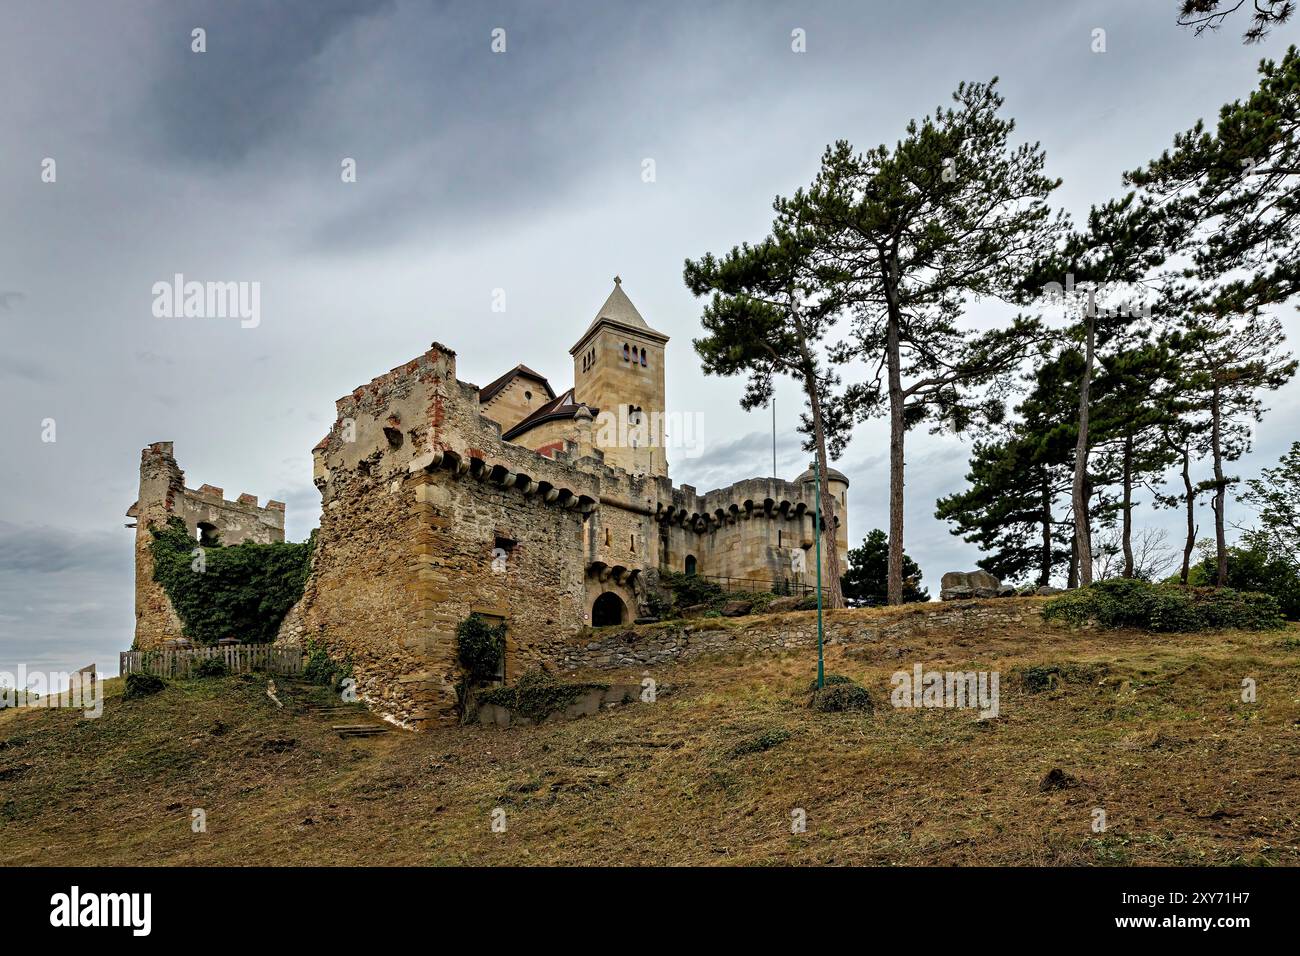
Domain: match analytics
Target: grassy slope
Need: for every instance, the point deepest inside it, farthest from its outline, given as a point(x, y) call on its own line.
point(1186, 772)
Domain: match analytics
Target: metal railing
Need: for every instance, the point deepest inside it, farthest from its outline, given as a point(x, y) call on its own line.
point(779, 586)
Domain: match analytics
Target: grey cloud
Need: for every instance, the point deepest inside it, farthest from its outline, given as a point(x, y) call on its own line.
point(252, 86)
point(40, 549)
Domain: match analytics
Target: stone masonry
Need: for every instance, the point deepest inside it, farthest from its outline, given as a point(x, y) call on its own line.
point(208, 516)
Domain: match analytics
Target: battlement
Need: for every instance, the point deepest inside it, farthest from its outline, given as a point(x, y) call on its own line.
point(207, 513)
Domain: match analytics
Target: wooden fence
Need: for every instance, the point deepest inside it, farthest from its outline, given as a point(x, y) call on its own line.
point(239, 659)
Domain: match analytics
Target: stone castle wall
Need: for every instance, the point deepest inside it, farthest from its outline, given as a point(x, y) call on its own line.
point(206, 514)
point(428, 515)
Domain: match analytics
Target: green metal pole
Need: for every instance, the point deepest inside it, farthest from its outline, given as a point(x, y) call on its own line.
point(817, 534)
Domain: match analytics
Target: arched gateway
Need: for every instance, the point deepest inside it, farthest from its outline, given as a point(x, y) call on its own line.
point(608, 609)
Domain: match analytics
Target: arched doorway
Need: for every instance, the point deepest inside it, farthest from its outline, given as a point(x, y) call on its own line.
point(690, 565)
point(608, 609)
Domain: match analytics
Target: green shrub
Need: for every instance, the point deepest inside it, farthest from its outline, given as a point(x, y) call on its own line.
point(1127, 602)
point(691, 589)
point(142, 685)
point(244, 590)
point(320, 668)
point(480, 647)
point(836, 698)
point(1252, 568)
point(1041, 677)
point(830, 679)
point(211, 667)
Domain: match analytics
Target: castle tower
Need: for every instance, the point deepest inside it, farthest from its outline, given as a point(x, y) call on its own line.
point(618, 371)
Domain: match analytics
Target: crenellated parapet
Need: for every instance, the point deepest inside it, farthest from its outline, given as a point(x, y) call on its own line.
point(209, 518)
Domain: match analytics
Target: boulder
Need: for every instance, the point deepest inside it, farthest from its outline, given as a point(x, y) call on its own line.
point(957, 585)
point(1047, 591)
point(737, 608)
point(785, 604)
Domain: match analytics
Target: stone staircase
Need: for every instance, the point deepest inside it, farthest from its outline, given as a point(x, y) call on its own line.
point(353, 719)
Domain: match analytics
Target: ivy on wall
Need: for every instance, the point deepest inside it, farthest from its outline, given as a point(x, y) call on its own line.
point(241, 591)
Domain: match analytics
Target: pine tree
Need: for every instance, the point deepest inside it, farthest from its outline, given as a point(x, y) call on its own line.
point(906, 238)
point(768, 316)
point(1016, 478)
point(1098, 276)
point(1275, 494)
point(866, 581)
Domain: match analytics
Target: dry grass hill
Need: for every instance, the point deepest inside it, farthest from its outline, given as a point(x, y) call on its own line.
point(1150, 728)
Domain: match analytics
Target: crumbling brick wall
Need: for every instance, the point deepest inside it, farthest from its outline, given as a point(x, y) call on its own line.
point(163, 495)
point(428, 516)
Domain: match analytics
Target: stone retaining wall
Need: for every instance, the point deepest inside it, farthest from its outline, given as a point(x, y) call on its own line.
point(658, 644)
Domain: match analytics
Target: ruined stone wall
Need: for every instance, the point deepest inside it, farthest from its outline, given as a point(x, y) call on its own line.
point(419, 492)
point(660, 644)
point(206, 513)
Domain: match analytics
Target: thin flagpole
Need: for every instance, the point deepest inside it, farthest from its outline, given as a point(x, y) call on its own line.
point(817, 534)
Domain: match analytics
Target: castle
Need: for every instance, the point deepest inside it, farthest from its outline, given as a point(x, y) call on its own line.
point(550, 512)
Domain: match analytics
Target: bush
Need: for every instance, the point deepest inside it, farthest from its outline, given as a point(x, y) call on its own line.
point(840, 694)
point(1126, 602)
point(836, 698)
point(1041, 677)
point(211, 667)
point(1252, 568)
point(480, 647)
point(244, 590)
point(142, 685)
point(829, 680)
point(320, 668)
point(690, 589)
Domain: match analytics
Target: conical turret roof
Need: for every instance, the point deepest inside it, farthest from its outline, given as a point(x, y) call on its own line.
point(619, 312)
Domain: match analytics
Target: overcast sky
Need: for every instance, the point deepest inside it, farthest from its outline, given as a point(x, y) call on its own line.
point(476, 171)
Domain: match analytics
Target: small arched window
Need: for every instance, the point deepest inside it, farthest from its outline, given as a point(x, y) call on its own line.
point(627, 352)
point(690, 565)
point(643, 358)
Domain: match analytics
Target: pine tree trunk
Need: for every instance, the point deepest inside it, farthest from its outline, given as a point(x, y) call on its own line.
point(1082, 533)
point(1220, 488)
point(1072, 579)
point(835, 592)
point(1190, 497)
point(1045, 563)
point(1127, 534)
point(895, 578)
